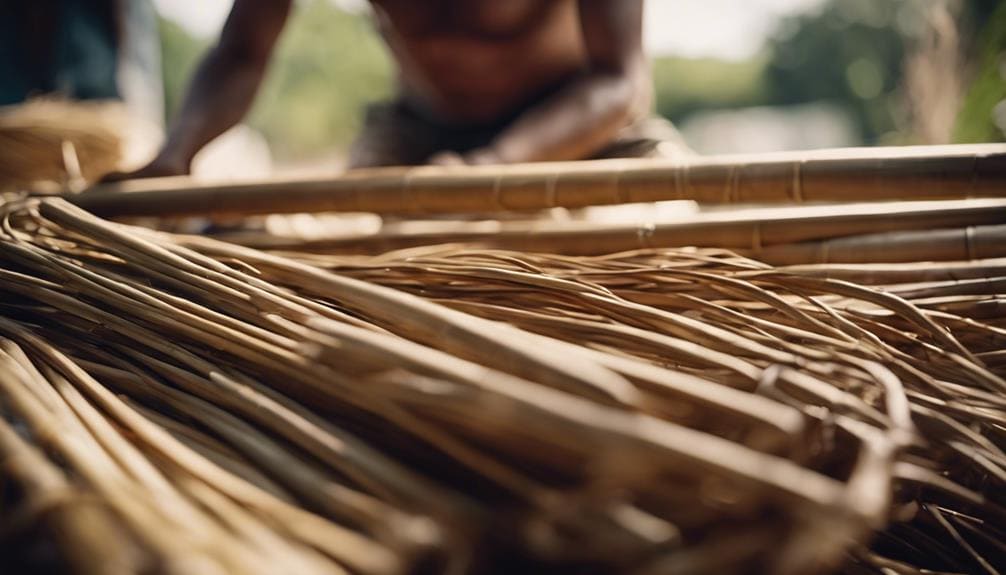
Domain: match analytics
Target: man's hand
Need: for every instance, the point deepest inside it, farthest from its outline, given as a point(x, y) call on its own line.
point(159, 167)
point(477, 157)
point(224, 86)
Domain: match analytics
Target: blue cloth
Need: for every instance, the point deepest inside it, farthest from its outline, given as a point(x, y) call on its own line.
point(70, 48)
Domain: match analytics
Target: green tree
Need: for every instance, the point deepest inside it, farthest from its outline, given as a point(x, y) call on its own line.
point(180, 54)
point(328, 65)
point(976, 121)
point(685, 86)
point(850, 54)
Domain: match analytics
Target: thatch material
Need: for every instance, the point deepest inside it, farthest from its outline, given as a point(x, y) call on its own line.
point(682, 410)
point(54, 141)
point(859, 174)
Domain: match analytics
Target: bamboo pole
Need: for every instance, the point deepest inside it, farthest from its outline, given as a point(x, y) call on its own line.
point(846, 175)
point(893, 272)
point(753, 230)
point(966, 243)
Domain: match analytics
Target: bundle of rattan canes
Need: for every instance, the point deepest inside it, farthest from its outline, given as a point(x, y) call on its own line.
point(180, 404)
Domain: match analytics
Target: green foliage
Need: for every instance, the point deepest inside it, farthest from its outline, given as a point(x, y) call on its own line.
point(684, 86)
point(850, 54)
point(975, 123)
point(328, 66)
point(180, 54)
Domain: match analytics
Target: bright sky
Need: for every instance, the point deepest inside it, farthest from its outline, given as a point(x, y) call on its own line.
point(727, 29)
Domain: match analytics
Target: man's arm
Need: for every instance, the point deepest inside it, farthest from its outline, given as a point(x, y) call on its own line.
point(587, 114)
point(224, 86)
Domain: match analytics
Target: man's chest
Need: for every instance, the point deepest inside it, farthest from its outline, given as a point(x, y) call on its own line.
point(484, 18)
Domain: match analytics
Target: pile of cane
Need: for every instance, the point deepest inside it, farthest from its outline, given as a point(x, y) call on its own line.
point(178, 404)
point(51, 141)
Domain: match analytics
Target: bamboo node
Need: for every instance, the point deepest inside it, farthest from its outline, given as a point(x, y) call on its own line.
point(680, 182)
point(825, 252)
point(756, 243)
point(551, 189)
point(497, 194)
point(798, 181)
point(732, 188)
point(408, 193)
point(974, 175)
point(969, 242)
point(620, 195)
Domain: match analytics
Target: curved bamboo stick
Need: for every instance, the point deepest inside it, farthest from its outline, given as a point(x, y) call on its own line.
point(846, 175)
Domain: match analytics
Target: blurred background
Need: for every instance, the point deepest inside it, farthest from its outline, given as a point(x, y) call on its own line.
point(734, 75)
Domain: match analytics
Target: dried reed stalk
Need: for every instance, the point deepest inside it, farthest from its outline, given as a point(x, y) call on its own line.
point(860, 174)
point(496, 411)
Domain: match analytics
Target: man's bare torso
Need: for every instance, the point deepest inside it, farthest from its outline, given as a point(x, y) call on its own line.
point(478, 61)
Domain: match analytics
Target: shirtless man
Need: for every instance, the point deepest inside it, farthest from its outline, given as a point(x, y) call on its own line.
point(480, 81)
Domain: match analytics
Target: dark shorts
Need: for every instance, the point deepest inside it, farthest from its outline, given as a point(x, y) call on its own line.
point(395, 134)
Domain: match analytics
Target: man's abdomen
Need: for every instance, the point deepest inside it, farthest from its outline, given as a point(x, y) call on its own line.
point(472, 84)
point(466, 76)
